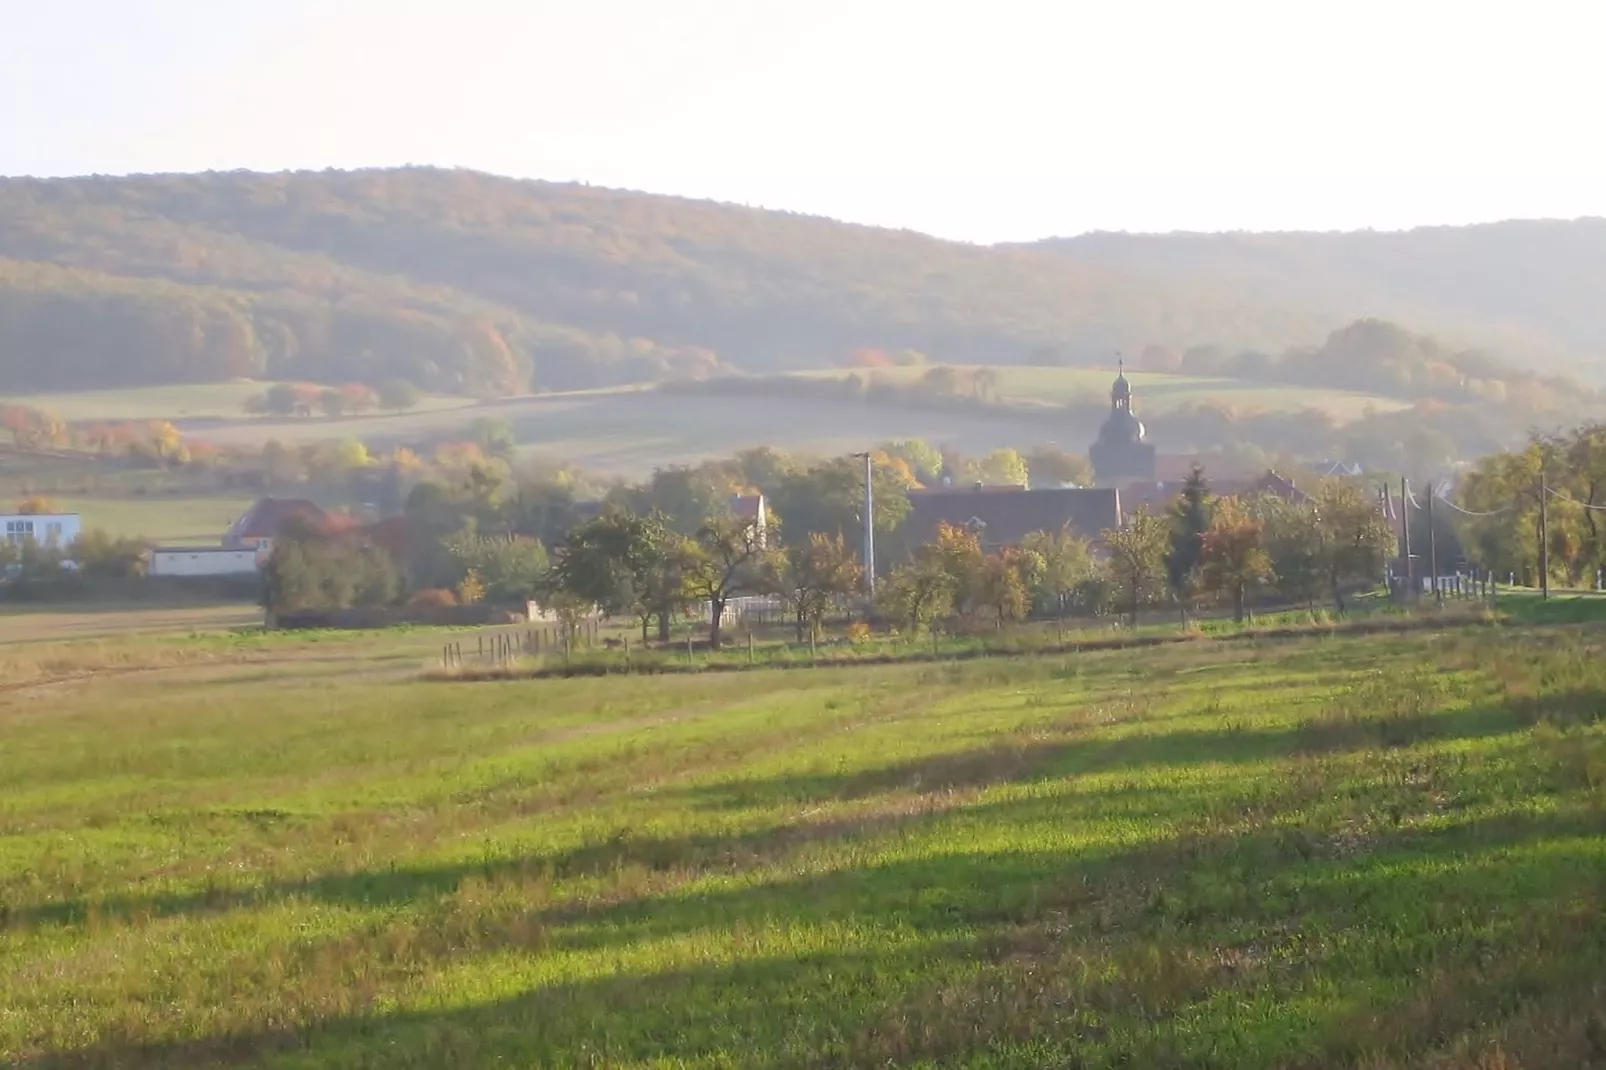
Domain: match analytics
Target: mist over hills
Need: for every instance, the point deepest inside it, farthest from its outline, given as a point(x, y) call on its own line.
point(469, 283)
point(1530, 287)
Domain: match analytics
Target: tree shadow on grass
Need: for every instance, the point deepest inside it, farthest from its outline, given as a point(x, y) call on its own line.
point(932, 777)
point(1078, 755)
point(988, 948)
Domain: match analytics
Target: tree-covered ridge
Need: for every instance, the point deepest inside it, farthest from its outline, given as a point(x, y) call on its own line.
point(468, 283)
point(1529, 286)
point(464, 282)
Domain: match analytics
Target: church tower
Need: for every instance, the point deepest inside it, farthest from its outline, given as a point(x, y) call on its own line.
point(1122, 452)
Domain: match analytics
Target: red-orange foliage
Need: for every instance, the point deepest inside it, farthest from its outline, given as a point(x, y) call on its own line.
point(358, 397)
point(870, 358)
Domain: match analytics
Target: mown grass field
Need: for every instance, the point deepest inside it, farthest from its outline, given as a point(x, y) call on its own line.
point(288, 851)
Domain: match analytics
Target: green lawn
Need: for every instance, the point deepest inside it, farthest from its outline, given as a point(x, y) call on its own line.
point(166, 520)
point(1379, 852)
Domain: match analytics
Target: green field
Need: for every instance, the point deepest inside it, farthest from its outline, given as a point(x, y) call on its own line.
point(165, 520)
point(178, 401)
point(628, 431)
point(1155, 392)
point(287, 851)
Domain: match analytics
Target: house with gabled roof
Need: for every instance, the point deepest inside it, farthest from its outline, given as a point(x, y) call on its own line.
point(265, 520)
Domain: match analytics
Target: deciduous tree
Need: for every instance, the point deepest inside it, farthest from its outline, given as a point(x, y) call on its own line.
point(1137, 562)
point(1233, 560)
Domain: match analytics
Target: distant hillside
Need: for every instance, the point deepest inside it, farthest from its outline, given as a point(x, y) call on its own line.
point(467, 283)
point(1532, 288)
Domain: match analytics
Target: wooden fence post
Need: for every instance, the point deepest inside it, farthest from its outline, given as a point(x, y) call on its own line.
point(750, 647)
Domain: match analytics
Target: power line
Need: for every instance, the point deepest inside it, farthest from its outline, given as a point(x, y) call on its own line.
point(1470, 512)
point(1554, 493)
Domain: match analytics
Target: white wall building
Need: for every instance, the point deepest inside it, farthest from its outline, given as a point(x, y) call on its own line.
point(46, 529)
point(202, 561)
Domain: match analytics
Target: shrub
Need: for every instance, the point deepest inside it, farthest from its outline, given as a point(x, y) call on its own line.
point(432, 596)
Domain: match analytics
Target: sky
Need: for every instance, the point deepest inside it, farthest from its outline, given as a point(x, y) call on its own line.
point(1005, 120)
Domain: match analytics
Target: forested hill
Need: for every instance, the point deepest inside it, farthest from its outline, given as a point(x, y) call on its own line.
point(1530, 287)
point(469, 283)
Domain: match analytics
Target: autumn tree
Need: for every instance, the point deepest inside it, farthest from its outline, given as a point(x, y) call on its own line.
point(1001, 467)
point(1003, 585)
point(1064, 563)
point(1137, 564)
point(1051, 467)
point(960, 551)
point(919, 592)
point(1291, 534)
point(828, 499)
point(624, 563)
point(922, 458)
point(396, 393)
point(510, 568)
point(1356, 539)
point(816, 575)
point(358, 398)
point(731, 559)
point(310, 570)
point(1233, 560)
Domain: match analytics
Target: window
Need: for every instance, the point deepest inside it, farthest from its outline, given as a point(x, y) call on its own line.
point(19, 530)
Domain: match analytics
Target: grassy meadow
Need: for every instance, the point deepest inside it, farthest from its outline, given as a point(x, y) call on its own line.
point(290, 851)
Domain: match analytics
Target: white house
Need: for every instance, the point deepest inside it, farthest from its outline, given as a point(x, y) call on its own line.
point(45, 529)
point(202, 561)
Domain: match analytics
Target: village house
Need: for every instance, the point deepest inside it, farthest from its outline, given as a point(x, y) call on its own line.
point(264, 521)
point(45, 529)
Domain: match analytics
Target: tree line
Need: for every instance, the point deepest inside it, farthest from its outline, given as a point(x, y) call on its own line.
point(652, 551)
point(1536, 512)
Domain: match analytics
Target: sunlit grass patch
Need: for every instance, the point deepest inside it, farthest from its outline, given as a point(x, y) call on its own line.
point(1337, 850)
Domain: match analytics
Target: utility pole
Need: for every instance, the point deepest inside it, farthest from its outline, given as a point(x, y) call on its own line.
point(869, 523)
point(1544, 539)
point(1433, 549)
point(1405, 527)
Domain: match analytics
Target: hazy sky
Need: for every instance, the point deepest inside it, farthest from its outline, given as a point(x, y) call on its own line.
point(986, 121)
